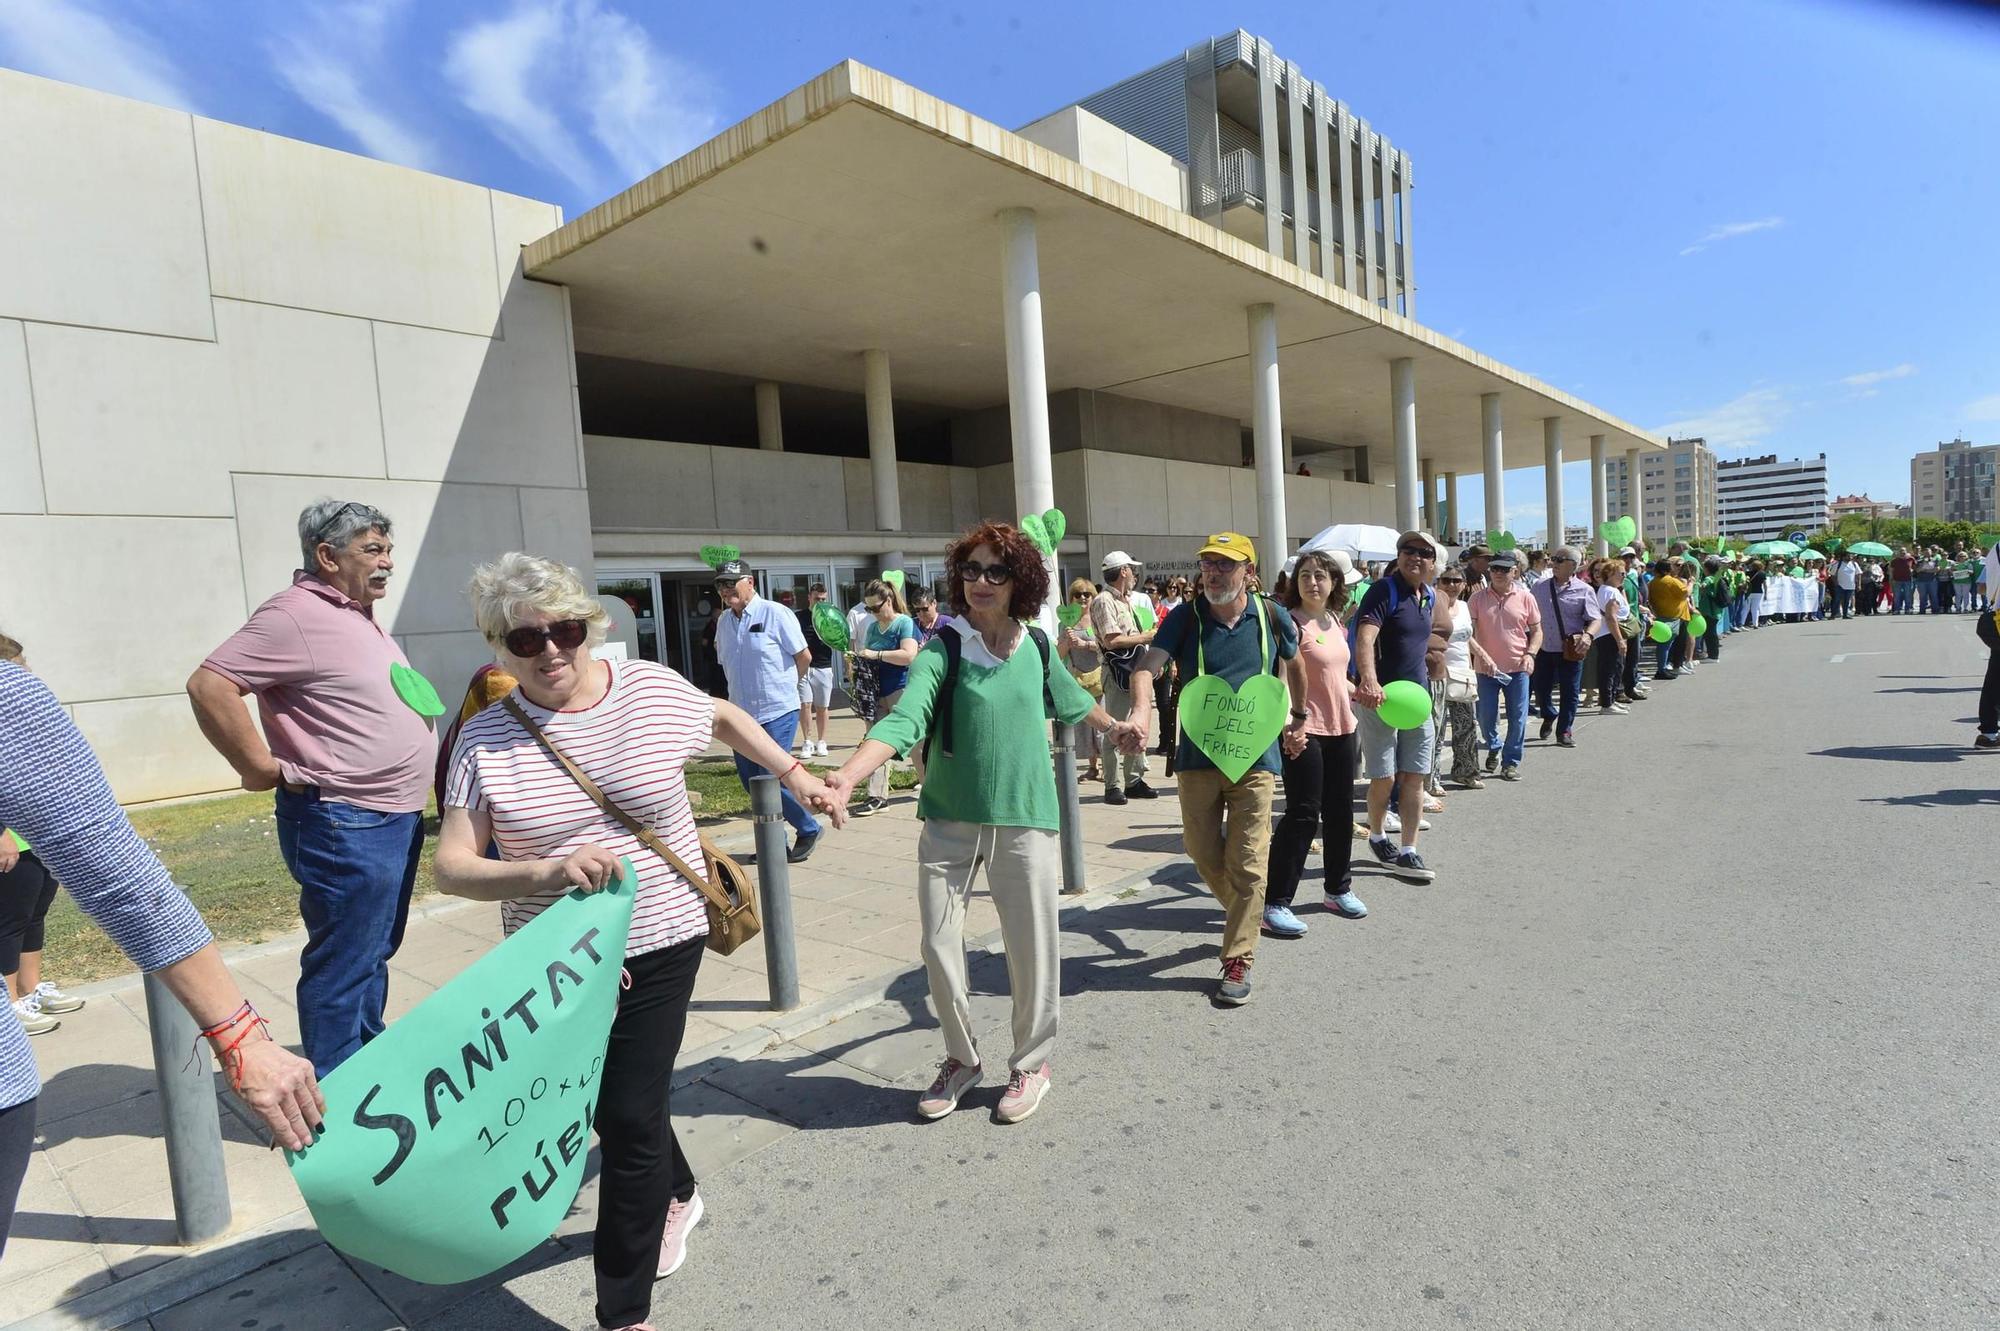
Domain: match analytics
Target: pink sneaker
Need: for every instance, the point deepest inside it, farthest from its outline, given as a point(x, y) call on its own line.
point(1024, 1094)
point(681, 1217)
point(953, 1080)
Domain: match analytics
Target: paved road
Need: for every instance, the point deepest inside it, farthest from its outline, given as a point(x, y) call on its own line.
point(1708, 1043)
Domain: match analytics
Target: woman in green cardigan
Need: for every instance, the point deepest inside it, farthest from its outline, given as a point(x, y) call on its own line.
point(991, 799)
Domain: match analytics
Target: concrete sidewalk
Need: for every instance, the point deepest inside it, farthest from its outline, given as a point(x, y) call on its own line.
point(95, 1229)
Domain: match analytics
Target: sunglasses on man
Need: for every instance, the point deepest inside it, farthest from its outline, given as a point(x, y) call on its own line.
point(1420, 551)
point(566, 634)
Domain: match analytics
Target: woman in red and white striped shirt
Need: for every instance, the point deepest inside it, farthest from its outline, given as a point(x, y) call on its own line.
point(631, 726)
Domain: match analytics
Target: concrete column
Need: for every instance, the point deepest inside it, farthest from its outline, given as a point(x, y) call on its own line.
point(1403, 407)
point(1429, 509)
point(1496, 474)
point(1452, 520)
point(1323, 121)
point(1409, 263)
point(1027, 375)
point(1635, 491)
point(1295, 102)
point(1269, 132)
point(1371, 289)
point(1343, 130)
point(1291, 459)
point(1598, 503)
point(1391, 276)
point(1552, 477)
point(1267, 434)
point(770, 421)
point(882, 449)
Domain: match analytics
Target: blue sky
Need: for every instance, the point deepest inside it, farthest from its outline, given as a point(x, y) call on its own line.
point(1766, 222)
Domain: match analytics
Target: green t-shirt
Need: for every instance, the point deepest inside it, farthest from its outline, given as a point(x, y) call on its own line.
point(999, 773)
point(1714, 594)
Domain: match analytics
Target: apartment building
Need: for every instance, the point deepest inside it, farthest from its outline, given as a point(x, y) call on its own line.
point(1762, 498)
point(1848, 506)
point(1676, 493)
point(1955, 482)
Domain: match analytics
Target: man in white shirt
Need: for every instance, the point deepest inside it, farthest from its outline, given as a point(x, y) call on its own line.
point(1846, 576)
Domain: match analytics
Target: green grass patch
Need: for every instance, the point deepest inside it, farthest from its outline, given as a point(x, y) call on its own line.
point(224, 851)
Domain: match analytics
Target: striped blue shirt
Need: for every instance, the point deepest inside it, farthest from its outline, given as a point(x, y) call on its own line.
point(54, 793)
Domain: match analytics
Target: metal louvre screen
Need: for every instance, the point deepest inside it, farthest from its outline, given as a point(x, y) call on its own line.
point(1204, 152)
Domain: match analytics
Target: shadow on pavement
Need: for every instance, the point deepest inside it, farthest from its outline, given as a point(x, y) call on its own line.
point(1899, 753)
point(1970, 688)
point(1944, 799)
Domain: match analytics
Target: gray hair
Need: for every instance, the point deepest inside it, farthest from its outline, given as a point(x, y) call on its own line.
point(516, 585)
point(1563, 552)
point(335, 522)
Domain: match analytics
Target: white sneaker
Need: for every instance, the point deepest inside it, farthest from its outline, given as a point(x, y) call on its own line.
point(1616, 709)
point(822, 748)
point(51, 999)
point(33, 1020)
point(1392, 825)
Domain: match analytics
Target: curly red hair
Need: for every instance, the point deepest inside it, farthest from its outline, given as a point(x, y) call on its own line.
point(1031, 576)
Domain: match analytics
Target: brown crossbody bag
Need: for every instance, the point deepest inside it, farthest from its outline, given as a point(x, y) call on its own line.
point(725, 889)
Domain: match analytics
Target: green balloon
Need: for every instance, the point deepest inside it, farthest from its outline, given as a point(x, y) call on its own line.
point(1698, 625)
point(1406, 705)
point(832, 626)
point(1662, 631)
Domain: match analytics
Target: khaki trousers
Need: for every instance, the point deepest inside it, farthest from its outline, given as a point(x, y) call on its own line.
point(1227, 828)
point(1120, 769)
point(1024, 874)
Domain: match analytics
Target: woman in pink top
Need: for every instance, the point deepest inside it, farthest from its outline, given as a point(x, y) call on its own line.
point(1319, 767)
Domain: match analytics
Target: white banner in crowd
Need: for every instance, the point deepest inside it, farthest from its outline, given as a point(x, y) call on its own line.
point(1790, 596)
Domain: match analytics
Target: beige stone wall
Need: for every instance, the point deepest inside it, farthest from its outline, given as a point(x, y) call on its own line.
point(204, 328)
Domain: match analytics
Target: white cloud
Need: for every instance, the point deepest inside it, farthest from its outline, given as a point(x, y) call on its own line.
point(1739, 425)
point(1869, 379)
point(329, 62)
point(580, 89)
point(1731, 230)
point(1984, 409)
point(67, 40)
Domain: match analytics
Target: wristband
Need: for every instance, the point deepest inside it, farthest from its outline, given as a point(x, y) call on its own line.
point(1298, 715)
point(796, 765)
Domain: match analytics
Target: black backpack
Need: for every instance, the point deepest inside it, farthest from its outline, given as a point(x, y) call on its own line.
point(954, 650)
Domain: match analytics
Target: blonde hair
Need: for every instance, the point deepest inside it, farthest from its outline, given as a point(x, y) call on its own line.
point(516, 585)
point(1081, 587)
point(884, 588)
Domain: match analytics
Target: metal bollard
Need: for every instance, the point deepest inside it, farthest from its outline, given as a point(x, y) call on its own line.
point(1070, 811)
point(187, 1107)
point(774, 891)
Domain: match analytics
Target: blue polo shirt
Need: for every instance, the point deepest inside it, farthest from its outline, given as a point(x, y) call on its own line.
point(1233, 653)
point(1404, 618)
point(757, 651)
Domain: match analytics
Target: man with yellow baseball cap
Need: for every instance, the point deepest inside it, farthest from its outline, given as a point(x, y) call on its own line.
point(1229, 636)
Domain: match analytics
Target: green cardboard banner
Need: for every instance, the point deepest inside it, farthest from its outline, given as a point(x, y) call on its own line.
point(1143, 613)
point(454, 1142)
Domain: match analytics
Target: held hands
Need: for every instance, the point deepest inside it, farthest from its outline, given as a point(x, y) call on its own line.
point(1128, 735)
point(279, 1087)
point(1293, 742)
point(1368, 693)
point(821, 796)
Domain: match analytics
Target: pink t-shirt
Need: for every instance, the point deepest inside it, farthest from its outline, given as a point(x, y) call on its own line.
point(1329, 700)
point(1501, 624)
point(319, 665)
point(633, 742)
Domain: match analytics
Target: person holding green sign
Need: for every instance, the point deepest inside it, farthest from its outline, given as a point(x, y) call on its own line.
point(1115, 617)
point(630, 726)
point(1242, 689)
point(979, 696)
point(346, 748)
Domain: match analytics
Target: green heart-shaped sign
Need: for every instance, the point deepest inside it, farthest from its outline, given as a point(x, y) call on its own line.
point(1037, 532)
point(715, 556)
point(1619, 531)
point(1500, 540)
point(1145, 617)
point(831, 626)
point(894, 577)
point(1233, 727)
point(1067, 615)
point(415, 691)
point(1055, 524)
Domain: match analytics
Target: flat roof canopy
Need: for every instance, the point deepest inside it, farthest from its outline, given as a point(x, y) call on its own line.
point(860, 213)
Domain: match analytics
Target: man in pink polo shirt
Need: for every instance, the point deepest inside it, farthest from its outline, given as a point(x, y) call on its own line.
point(349, 754)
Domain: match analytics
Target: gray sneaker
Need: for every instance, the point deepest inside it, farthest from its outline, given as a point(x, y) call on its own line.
point(1511, 772)
point(1233, 989)
point(1410, 867)
point(954, 1079)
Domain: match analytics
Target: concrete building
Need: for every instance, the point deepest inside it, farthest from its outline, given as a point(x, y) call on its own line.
point(1676, 495)
point(834, 336)
point(1955, 482)
point(1861, 506)
point(1761, 499)
point(1270, 156)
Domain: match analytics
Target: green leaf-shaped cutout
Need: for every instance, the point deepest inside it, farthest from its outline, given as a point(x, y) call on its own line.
point(415, 691)
point(1037, 531)
point(1055, 524)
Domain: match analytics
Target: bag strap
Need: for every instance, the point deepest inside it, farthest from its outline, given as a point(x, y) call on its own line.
point(638, 829)
point(1555, 604)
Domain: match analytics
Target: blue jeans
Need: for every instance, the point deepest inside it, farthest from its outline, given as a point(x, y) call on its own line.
point(355, 868)
point(1899, 598)
point(1927, 597)
point(783, 728)
point(1564, 677)
point(1516, 692)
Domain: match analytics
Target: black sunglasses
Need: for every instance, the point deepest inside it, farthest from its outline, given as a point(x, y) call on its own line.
point(566, 634)
point(1420, 551)
point(996, 574)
